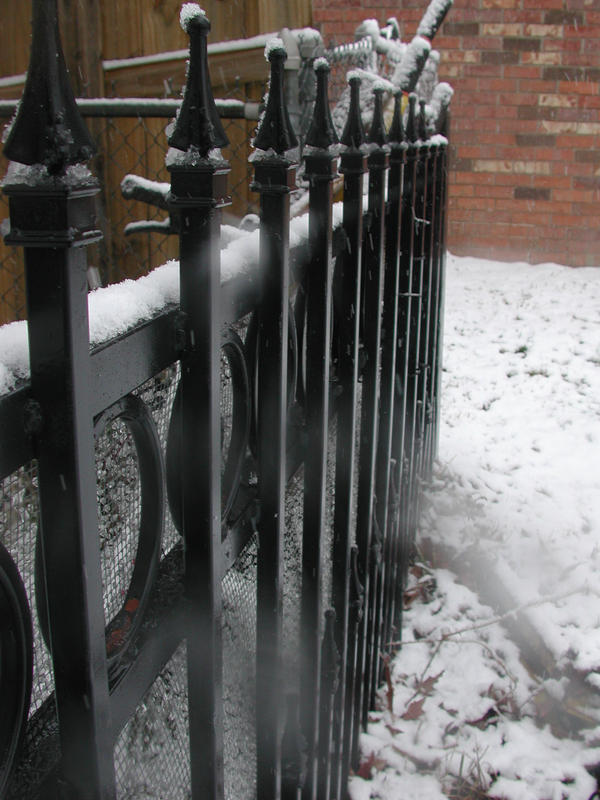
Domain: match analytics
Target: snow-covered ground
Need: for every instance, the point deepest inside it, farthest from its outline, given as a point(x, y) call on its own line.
point(515, 510)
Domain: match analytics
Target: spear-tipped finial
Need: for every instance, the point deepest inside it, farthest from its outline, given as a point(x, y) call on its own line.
point(411, 123)
point(198, 124)
point(422, 122)
point(354, 133)
point(275, 131)
point(377, 134)
point(396, 133)
point(322, 133)
point(48, 128)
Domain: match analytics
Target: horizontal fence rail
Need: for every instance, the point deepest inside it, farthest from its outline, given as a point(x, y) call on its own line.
point(210, 478)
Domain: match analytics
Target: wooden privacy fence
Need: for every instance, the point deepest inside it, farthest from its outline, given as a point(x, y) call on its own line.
point(207, 518)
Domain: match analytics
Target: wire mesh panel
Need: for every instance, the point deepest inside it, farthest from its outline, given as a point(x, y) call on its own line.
point(152, 751)
point(239, 675)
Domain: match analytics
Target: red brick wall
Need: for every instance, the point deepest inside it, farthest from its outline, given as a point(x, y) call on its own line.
point(525, 180)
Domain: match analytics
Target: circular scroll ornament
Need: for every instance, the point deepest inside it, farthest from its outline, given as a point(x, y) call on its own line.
point(16, 665)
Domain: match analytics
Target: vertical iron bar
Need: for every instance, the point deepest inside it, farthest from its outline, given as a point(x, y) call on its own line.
point(424, 379)
point(433, 311)
point(320, 171)
point(411, 485)
point(402, 425)
point(198, 193)
point(369, 545)
point(52, 216)
point(274, 179)
point(352, 715)
point(388, 389)
point(379, 435)
point(347, 292)
point(330, 662)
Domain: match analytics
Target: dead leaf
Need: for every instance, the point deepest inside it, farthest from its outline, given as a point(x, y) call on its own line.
point(390, 687)
point(426, 686)
point(370, 763)
point(415, 709)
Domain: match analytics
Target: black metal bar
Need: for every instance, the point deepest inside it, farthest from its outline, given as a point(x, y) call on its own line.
point(373, 301)
point(352, 715)
point(274, 179)
point(320, 171)
point(330, 667)
point(368, 534)
point(387, 395)
point(394, 240)
point(53, 218)
point(402, 424)
point(347, 293)
point(198, 193)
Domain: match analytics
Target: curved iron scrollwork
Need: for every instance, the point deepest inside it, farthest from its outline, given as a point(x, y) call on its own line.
point(235, 426)
point(16, 665)
point(128, 561)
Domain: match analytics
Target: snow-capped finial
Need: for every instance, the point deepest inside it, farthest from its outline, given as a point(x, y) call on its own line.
point(190, 12)
point(322, 133)
point(354, 133)
point(48, 128)
point(198, 124)
point(275, 131)
point(422, 122)
point(411, 123)
point(377, 133)
point(396, 133)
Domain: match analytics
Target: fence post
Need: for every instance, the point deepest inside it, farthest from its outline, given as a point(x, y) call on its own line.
point(198, 192)
point(275, 174)
point(320, 171)
point(52, 216)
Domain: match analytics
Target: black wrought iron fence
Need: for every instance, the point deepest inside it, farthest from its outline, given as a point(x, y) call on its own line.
point(205, 521)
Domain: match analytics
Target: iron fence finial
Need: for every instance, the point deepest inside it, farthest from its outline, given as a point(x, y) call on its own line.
point(411, 123)
point(422, 122)
point(396, 133)
point(354, 132)
point(322, 132)
point(198, 124)
point(48, 128)
point(377, 134)
point(275, 131)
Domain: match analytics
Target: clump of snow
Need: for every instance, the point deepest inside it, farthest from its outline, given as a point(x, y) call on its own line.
point(193, 158)
point(14, 359)
point(435, 11)
point(75, 176)
point(368, 27)
point(188, 13)
point(406, 70)
point(355, 74)
point(273, 46)
point(383, 85)
point(320, 63)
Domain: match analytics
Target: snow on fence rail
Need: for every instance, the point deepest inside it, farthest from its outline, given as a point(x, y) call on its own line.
point(210, 477)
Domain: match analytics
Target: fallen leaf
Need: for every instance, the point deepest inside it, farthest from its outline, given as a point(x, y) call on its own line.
point(370, 763)
point(415, 709)
point(426, 686)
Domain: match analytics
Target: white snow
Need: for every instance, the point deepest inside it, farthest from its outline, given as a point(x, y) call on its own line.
point(190, 12)
point(75, 176)
point(517, 491)
point(434, 10)
point(274, 45)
